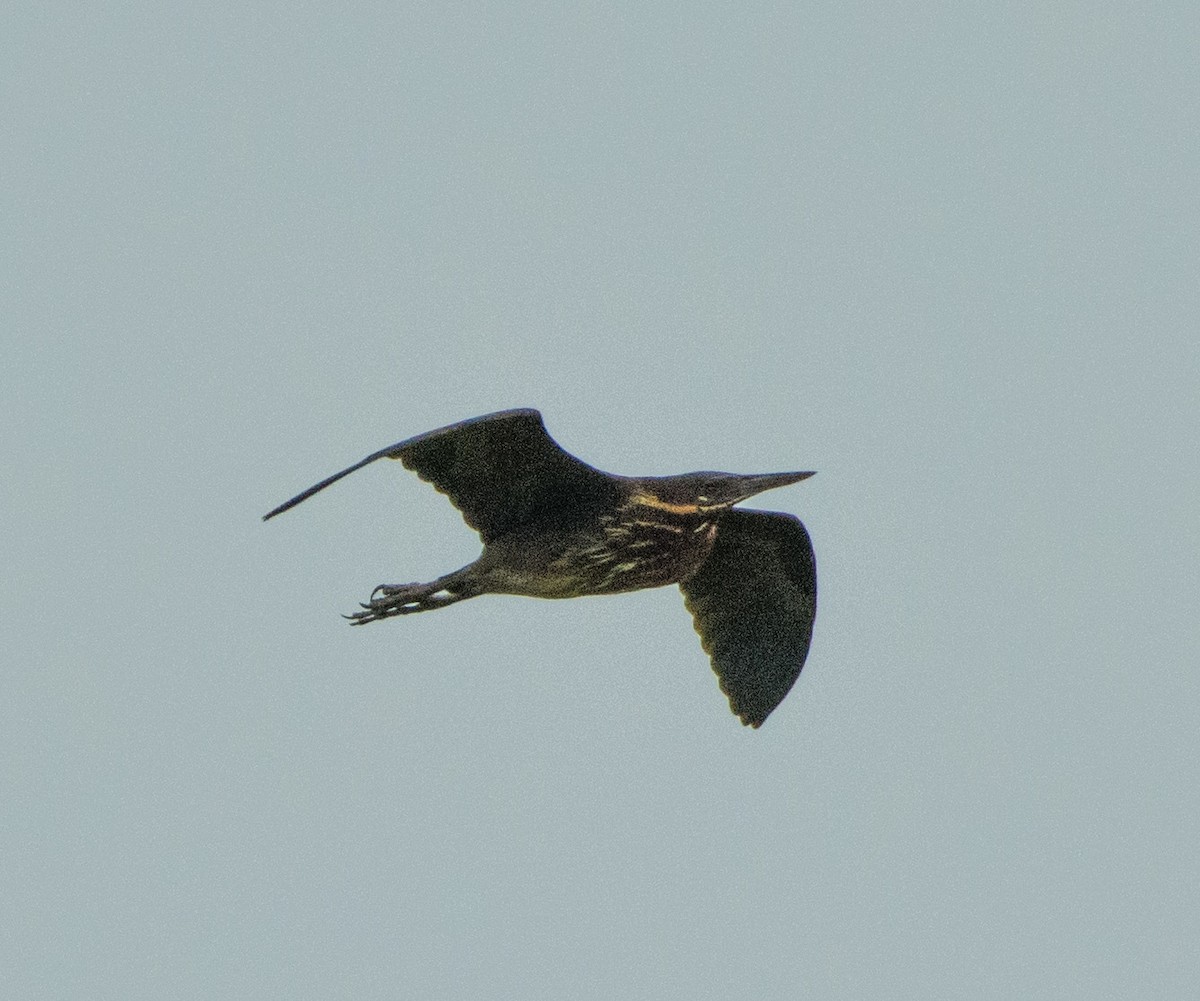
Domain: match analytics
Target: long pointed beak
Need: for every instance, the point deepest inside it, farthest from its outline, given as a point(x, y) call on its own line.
point(756, 483)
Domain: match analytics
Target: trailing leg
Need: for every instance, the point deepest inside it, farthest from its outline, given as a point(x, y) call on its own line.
point(388, 600)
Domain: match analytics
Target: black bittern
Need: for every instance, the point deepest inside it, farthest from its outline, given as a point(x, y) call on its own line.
point(555, 527)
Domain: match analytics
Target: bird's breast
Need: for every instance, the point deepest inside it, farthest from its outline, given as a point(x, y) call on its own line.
point(634, 553)
point(615, 554)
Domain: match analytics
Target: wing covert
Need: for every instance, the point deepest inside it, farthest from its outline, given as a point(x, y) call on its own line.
point(503, 469)
point(753, 602)
point(498, 470)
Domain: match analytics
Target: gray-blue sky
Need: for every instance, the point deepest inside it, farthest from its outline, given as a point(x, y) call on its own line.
point(945, 255)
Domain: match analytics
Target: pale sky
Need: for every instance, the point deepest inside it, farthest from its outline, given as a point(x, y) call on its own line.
point(945, 255)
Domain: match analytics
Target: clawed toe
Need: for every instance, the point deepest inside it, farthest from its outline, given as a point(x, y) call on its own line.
point(386, 601)
point(387, 590)
point(389, 600)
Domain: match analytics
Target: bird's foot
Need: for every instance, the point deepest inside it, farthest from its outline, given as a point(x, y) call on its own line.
point(392, 590)
point(388, 600)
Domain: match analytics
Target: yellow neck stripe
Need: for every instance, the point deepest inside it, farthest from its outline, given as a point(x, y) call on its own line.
point(649, 500)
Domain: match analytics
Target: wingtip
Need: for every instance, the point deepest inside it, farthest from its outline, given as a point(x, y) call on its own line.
point(279, 510)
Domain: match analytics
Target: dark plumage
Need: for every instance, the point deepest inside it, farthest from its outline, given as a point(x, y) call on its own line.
point(555, 527)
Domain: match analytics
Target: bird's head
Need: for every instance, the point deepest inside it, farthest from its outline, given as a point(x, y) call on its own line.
point(709, 491)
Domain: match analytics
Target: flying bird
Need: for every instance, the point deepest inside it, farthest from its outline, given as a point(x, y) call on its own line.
point(554, 527)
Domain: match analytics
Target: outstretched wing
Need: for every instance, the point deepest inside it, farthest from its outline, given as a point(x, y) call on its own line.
point(753, 601)
point(498, 470)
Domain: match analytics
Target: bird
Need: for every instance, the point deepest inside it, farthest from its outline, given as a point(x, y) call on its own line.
point(553, 526)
